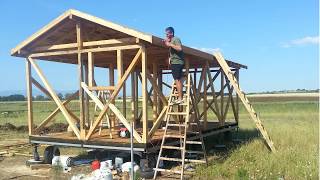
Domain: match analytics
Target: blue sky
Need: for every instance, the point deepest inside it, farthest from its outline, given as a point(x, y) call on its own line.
point(278, 40)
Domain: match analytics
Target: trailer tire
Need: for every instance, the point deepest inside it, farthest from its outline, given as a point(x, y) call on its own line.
point(48, 154)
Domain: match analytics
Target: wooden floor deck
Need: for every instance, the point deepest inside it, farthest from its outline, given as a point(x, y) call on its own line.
point(104, 141)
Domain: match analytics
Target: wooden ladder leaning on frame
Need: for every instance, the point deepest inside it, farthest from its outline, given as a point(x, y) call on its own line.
point(233, 81)
point(182, 123)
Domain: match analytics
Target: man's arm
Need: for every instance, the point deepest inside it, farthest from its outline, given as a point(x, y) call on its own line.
point(177, 47)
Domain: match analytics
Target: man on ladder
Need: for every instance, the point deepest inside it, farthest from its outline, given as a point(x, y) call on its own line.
point(176, 60)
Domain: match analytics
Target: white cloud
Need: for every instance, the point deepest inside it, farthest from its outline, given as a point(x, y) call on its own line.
point(308, 40)
point(208, 50)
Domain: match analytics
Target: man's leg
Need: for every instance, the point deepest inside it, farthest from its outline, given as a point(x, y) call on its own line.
point(179, 88)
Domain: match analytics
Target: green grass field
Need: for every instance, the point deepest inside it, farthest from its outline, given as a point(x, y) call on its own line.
point(293, 126)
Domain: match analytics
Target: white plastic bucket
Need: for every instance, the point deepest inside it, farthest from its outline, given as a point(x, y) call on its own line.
point(118, 162)
point(64, 161)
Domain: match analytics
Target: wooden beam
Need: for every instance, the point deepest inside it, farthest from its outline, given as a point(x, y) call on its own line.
point(29, 97)
point(130, 40)
point(90, 69)
point(160, 88)
point(222, 96)
point(155, 93)
point(115, 93)
point(120, 74)
point(105, 49)
point(102, 88)
point(111, 84)
point(136, 96)
point(55, 97)
point(144, 90)
point(133, 97)
point(80, 77)
point(205, 83)
point(237, 97)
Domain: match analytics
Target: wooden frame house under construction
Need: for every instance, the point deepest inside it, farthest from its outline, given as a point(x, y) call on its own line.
point(89, 42)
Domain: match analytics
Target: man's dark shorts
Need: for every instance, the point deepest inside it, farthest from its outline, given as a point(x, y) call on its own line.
point(177, 71)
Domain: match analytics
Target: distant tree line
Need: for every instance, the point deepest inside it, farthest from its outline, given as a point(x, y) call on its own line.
point(20, 97)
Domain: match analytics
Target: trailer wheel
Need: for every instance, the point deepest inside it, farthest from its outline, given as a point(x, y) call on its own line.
point(49, 152)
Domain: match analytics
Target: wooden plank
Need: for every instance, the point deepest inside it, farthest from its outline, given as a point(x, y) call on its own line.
point(144, 91)
point(133, 97)
point(90, 69)
point(222, 97)
point(160, 88)
point(115, 93)
point(136, 96)
point(155, 94)
point(111, 83)
point(237, 97)
point(55, 97)
point(122, 41)
point(120, 74)
point(29, 97)
point(205, 83)
point(101, 88)
point(80, 78)
point(103, 49)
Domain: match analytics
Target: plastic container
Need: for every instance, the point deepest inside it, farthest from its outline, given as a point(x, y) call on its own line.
point(63, 161)
point(118, 162)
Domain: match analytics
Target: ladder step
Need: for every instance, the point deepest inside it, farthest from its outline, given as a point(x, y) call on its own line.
point(170, 159)
point(173, 136)
point(177, 125)
point(193, 132)
point(193, 142)
point(177, 113)
point(166, 170)
point(172, 147)
point(195, 161)
point(194, 152)
point(182, 104)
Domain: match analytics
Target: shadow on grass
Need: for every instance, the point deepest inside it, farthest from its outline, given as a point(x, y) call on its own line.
point(225, 143)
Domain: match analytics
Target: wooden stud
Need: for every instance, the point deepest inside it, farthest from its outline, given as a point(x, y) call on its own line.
point(111, 83)
point(120, 74)
point(144, 90)
point(155, 94)
point(90, 69)
point(237, 98)
point(29, 97)
point(222, 96)
point(205, 83)
point(80, 76)
point(85, 96)
point(133, 97)
point(160, 104)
